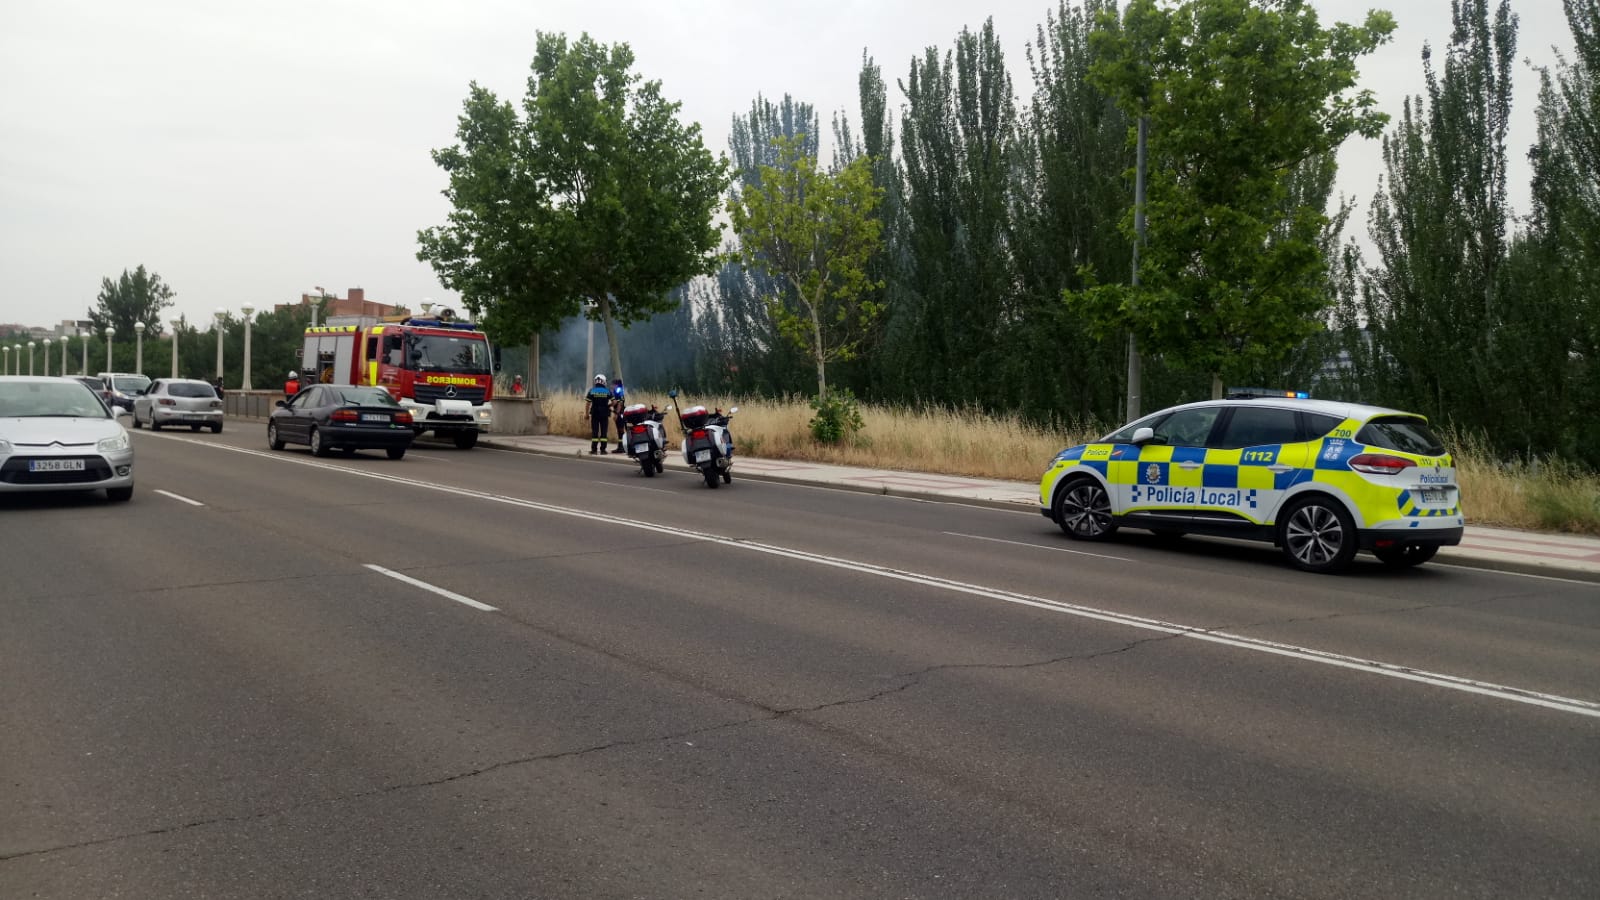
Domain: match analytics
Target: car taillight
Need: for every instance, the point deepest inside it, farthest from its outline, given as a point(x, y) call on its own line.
point(216, 404)
point(402, 418)
point(1380, 464)
point(343, 415)
point(165, 401)
point(698, 434)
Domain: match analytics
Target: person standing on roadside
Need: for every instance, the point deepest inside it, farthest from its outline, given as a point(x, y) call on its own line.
point(599, 400)
point(619, 399)
point(292, 386)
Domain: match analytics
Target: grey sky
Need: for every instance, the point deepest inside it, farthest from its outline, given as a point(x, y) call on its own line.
point(247, 152)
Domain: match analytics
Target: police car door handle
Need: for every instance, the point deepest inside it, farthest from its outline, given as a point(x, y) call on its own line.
point(1279, 468)
point(1190, 464)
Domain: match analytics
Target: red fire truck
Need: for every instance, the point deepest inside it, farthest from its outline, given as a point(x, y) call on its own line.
point(440, 370)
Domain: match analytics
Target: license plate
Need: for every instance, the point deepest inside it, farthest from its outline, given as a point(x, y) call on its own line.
point(374, 417)
point(701, 456)
point(1433, 495)
point(194, 418)
point(55, 465)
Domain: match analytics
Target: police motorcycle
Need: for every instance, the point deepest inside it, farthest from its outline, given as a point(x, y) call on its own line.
point(645, 438)
point(707, 443)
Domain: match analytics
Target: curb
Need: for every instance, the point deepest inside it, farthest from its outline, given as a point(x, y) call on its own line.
point(1446, 558)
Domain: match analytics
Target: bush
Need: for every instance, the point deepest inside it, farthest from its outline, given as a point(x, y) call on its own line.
point(838, 417)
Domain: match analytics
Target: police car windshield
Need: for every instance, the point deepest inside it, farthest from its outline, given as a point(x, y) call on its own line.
point(1406, 434)
point(447, 353)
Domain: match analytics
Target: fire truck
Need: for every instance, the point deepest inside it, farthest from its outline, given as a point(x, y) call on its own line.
point(439, 369)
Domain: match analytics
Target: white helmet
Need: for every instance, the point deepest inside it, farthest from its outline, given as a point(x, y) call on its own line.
point(599, 379)
point(293, 374)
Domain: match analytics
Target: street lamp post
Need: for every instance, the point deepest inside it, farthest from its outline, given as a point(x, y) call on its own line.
point(63, 354)
point(110, 333)
point(5, 355)
point(31, 345)
point(84, 334)
point(221, 315)
point(138, 347)
point(588, 361)
point(249, 311)
point(16, 350)
point(47, 358)
point(175, 323)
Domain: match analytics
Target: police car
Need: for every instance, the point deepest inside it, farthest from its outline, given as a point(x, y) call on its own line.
point(1319, 479)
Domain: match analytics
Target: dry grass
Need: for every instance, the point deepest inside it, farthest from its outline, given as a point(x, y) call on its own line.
point(1547, 496)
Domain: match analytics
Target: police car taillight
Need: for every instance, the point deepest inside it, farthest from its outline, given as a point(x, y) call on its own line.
point(1380, 464)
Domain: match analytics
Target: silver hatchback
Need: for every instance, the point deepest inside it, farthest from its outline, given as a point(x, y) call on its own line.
point(177, 402)
point(57, 435)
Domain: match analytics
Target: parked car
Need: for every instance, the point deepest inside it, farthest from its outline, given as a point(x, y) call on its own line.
point(1319, 479)
point(56, 435)
point(122, 387)
point(178, 401)
point(96, 385)
point(329, 417)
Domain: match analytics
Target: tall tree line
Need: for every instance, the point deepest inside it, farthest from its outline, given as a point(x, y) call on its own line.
point(994, 207)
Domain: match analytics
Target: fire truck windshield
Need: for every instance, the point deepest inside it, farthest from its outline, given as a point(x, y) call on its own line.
point(468, 354)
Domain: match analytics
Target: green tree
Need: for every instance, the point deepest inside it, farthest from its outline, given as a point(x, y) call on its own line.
point(1436, 299)
point(137, 296)
point(1239, 94)
point(596, 192)
point(814, 231)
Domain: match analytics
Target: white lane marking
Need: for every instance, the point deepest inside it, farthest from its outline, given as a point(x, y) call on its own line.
point(1306, 654)
point(452, 595)
point(634, 487)
point(179, 499)
point(1445, 565)
point(979, 537)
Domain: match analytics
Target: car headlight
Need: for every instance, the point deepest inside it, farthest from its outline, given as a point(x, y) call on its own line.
point(5, 446)
point(113, 444)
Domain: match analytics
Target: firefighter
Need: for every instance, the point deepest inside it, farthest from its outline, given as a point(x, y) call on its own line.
point(599, 399)
point(292, 386)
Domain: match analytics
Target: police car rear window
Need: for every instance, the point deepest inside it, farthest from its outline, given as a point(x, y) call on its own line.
point(1405, 434)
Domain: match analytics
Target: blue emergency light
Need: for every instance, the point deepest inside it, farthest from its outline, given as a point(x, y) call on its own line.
point(1253, 393)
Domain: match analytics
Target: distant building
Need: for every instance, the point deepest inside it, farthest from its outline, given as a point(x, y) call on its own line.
point(349, 308)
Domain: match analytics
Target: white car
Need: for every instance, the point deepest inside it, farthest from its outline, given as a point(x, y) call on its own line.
point(56, 435)
point(175, 402)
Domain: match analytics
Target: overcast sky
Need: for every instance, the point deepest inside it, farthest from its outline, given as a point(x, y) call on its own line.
point(248, 152)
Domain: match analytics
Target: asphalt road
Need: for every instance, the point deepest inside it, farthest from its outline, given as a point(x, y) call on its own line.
point(294, 689)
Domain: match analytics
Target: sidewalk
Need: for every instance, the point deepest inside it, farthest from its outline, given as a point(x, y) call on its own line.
point(1556, 555)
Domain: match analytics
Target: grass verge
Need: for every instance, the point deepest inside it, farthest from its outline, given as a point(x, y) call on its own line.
point(1546, 495)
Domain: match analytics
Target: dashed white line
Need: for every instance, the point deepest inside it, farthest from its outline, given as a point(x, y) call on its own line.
point(449, 595)
point(1307, 654)
point(179, 498)
point(979, 537)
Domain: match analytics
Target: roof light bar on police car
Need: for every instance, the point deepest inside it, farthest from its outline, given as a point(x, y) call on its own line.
point(1254, 393)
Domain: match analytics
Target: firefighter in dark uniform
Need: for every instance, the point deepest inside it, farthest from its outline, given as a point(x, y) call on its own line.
point(599, 400)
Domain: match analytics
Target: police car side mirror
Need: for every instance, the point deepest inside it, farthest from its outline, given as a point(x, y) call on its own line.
point(1142, 436)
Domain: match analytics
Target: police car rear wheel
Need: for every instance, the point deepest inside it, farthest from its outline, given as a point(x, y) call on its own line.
point(1318, 535)
point(1406, 556)
point(1084, 511)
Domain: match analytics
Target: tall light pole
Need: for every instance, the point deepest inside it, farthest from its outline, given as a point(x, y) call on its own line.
point(1135, 363)
point(249, 311)
point(31, 345)
point(6, 357)
point(175, 323)
point(138, 347)
point(110, 333)
point(84, 334)
point(63, 353)
point(16, 350)
point(588, 361)
point(221, 316)
point(47, 357)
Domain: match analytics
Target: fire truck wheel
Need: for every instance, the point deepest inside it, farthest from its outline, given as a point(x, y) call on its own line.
point(466, 439)
point(318, 448)
point(397, 452)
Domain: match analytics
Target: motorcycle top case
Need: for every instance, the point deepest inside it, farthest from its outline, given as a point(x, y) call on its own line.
point(696, 417)
point(636, 413)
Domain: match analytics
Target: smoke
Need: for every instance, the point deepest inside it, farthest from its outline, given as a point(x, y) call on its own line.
point(657, 353)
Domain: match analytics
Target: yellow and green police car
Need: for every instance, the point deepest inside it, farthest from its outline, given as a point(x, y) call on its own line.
point(1319, 479)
